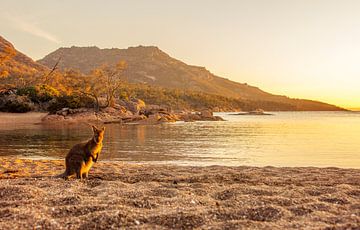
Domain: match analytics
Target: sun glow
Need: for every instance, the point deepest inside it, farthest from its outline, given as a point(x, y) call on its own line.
point(302, 49)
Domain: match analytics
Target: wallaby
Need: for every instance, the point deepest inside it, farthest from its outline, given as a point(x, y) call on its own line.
point(82, 156)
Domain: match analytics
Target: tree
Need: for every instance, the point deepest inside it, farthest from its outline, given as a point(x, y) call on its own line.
point(78, 83)
point(103, 81)
point(112, 79)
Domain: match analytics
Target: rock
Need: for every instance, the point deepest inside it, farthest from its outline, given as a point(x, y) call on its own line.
point(206, 113)
point(79, 110)
point(153, 107)
point(128, 114)
point(257, 112)
point(120, 108)
point(169, 118)
point(135, 105)
point(63, 112)
point(155, 117)
point(152, 119)
point(203, 116)
point(83, 116)
point(254, 112)
point(102, 102)
point(110, 110)
point(190, 117)
point(166, 119)
point(5, 91)
point(134, 118)
point(217, 118)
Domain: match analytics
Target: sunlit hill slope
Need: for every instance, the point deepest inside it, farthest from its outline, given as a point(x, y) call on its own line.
point(150, 65)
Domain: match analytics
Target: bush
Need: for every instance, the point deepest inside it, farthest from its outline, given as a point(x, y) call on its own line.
point(30, 92)
point(71, 102)
point(39, 93)
point(15, 104)
point(124, 96)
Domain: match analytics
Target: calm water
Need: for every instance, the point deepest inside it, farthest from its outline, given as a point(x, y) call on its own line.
point(285, 139)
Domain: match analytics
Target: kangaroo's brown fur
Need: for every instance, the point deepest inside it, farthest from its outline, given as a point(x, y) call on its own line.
point(82, 156)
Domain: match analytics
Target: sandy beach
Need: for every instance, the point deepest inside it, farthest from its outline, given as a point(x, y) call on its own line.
point(144, 196)
point(21, 118)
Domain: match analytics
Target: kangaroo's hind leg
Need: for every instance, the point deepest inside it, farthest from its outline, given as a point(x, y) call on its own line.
point(79, 174)
point(85, 175)
point(81, 171)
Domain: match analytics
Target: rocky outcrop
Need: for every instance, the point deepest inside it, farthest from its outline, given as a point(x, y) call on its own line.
point(122, 115)
point(205, 115)
point(257, 112)
point(134, 105)
point(129, 111)
point(158, 118)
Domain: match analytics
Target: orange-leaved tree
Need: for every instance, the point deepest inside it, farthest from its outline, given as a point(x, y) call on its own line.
point(111, 79)
point(104, 81)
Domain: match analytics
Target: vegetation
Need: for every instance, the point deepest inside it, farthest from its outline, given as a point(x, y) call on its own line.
point(192, 100)
point(74, 101)
point(15, 104)
point(164, 81)
point(179, 86)
point(39, 93)
point(103, 81)
point(7, 54)
point(73, 89)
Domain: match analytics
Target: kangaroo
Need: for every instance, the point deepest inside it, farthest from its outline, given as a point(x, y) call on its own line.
point(82, 156)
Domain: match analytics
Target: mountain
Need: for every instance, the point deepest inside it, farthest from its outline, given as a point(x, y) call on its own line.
point(150, 65)
point(15, 63)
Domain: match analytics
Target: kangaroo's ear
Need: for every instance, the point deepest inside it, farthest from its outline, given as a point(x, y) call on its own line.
point(103, 129)
point(94, 128)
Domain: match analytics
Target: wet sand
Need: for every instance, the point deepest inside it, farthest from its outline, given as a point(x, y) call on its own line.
point(21, 118)
point(143, 196)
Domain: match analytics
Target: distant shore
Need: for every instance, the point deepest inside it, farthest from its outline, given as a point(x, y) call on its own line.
point(149, 196)
point(355, 109)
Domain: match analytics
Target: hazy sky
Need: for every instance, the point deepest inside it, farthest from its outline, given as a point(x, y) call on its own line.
point(299, 48)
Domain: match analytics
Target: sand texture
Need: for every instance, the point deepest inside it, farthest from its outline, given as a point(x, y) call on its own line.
point(21, 118)
point(141, 196)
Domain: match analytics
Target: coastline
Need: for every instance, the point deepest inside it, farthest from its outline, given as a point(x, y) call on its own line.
point(152, 196)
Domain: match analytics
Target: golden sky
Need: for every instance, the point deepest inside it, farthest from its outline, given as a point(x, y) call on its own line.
point(303, 49)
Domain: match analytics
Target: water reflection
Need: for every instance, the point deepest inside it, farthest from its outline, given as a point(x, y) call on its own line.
point(286, 139)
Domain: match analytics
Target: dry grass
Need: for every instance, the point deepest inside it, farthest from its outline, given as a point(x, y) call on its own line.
point(160, 197)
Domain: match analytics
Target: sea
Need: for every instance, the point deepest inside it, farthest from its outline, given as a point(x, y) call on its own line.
point(283, 139)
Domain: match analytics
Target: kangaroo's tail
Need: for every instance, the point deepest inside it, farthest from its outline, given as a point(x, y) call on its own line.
point(62, 175)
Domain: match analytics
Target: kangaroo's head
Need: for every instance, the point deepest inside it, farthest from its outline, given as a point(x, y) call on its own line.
point(98, 134)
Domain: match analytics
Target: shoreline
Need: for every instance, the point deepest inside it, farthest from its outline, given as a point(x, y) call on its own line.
point(182, 163)
point(22, 118)
point(143, 196)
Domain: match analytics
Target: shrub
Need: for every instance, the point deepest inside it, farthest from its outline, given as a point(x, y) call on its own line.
point(71, 102)
point(39, 93)
point(123, 96)
point(29, 91)
point(15, 104)
point(46, 93)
